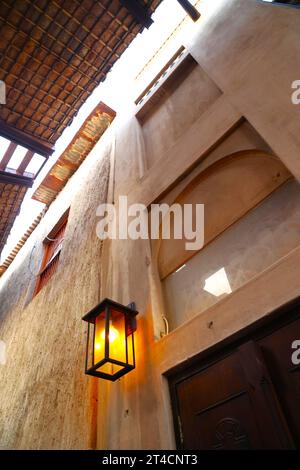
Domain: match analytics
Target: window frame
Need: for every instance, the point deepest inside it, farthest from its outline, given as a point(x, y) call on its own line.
point(49, 260)
point(151, 95)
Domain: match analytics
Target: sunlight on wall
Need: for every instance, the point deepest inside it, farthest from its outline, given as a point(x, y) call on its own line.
point(2, 353)
point(217, 284)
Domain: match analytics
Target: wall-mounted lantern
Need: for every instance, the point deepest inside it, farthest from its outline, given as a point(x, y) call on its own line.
point(110, 340)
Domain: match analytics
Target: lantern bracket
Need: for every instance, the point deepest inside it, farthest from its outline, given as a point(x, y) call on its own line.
point(133, 324)
point(132, 306)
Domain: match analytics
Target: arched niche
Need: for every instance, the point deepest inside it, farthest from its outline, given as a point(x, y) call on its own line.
point(229, 189)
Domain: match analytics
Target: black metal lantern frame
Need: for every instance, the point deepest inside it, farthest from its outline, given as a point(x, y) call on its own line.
point(110, 350)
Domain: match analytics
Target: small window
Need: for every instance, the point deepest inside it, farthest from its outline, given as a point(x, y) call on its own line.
point(162, 75)
point(52, 250)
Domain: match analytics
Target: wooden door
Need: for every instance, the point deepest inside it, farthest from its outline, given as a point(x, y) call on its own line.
point(246, 399)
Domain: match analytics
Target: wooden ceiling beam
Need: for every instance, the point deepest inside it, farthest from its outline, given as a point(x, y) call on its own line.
point(30, 142)
point(12, 178)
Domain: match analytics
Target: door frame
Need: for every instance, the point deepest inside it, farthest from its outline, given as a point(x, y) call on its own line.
point(256, 331)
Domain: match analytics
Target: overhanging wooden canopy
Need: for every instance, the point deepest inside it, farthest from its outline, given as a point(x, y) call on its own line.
point(53, 54)
point(79, 148)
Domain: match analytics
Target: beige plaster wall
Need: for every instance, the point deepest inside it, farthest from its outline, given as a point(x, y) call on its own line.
point(46, 401)
point(252, 54)
point(185, 97)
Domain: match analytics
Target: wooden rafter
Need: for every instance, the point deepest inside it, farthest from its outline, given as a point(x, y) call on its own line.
point(27, 141)
point(7, 156)
point(25, 162)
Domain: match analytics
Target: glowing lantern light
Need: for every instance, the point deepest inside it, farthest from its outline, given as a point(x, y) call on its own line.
point(110, 340)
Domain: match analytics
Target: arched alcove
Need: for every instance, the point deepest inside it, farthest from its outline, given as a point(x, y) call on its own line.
point(252, 219)
point(228, 189)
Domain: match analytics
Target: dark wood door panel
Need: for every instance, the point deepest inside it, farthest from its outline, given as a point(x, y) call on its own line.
point(247, 399)
point(225, 378)
point(217, 393)
point(228, 425)
point(274, 429)
point(277, 352)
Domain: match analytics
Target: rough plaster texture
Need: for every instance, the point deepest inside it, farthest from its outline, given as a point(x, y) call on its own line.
point(252, 54)
point(46, 400)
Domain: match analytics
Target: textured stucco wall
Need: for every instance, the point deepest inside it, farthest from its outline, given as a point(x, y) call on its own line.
point(251, 52)
point(46, 401)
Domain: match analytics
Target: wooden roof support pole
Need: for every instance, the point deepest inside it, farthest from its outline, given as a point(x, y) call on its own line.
point(190, 9)
point(25, 162)
point(7, 156)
